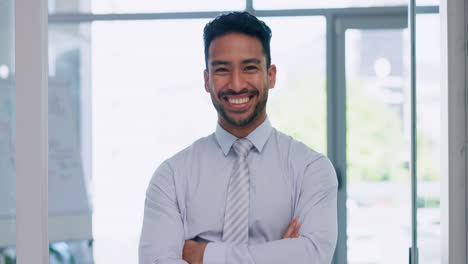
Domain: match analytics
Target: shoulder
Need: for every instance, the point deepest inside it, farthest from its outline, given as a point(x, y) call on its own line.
point(295, 150)
point(185, 157)
point(191, 152)
point(303, 161)
point(167, 175)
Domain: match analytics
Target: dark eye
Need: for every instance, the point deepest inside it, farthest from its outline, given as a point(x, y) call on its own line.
point(251, 68)
point(221, 70)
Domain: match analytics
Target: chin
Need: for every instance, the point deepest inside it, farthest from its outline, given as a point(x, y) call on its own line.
point(241, 122)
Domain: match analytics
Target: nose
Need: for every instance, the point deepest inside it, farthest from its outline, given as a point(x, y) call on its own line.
point(238, 81)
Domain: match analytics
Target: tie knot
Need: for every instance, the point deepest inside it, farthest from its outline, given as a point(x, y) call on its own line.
point(242, 147)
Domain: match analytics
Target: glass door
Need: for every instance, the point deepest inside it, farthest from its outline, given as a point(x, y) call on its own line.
point(375, 185)
point(370, 142)
point(7, 132)
point(378, 186)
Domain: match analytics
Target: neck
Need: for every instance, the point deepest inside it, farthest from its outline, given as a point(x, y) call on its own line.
point(242, 132)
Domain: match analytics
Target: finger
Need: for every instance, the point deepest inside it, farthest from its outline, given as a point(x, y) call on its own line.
point(289, 230)
point(295, 233)
point(297, 229)
point(291, 227)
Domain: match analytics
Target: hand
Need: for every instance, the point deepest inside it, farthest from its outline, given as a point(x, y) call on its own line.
point(293, 229)
point(193, 251)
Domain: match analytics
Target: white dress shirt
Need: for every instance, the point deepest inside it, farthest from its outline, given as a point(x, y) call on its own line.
point(186, 200)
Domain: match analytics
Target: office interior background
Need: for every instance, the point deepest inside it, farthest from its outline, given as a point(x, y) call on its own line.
point(125, 92)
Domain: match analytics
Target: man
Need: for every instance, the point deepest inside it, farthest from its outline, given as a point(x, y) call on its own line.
point(246, 193)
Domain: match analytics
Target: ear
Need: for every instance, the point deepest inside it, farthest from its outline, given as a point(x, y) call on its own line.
point(206, 77)
point(272, 76)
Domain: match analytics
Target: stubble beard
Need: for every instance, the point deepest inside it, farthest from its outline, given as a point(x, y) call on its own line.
point(259, 108)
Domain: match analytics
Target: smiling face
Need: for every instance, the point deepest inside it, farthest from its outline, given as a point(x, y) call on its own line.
point(238, 81)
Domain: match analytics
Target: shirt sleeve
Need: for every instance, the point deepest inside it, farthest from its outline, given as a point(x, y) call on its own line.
point(317, 210)
point(162, 235)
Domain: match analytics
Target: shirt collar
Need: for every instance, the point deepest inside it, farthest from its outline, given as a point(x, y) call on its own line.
point(258, 137)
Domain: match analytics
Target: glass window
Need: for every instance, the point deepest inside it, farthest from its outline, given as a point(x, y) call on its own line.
point(141, 6)
point(69, 6)
point(297, 105)
point(303, 4)
point(69, 144)
point(148, 92)
point(7, 133)
point(144, 6)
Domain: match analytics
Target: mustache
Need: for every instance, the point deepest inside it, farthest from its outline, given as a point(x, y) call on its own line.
point(222, 94)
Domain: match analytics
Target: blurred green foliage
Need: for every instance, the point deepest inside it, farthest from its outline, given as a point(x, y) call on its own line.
point(377, 149)
point(299, 110)
point(375, 139)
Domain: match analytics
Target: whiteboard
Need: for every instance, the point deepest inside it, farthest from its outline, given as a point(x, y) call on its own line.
point(69, 198)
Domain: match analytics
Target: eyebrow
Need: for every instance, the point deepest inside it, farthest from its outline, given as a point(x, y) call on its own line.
point(219, 62)
point(253, 60)
point(247, 61)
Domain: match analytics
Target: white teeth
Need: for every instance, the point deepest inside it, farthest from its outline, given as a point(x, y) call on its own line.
point(239, 100)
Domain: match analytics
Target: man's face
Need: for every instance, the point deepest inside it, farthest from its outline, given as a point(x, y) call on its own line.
point(237, 78)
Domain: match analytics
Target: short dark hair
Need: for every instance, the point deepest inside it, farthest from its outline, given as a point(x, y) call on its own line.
point(238, 22)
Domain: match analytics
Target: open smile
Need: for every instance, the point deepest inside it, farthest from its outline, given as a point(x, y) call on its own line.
point(238, 101)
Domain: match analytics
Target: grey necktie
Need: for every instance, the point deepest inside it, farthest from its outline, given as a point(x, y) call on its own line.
point(236, 216)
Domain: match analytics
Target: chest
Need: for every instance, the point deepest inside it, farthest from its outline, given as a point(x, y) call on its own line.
point(271, 197)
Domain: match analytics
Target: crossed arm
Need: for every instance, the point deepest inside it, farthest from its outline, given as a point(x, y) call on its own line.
point(163, 236)
point(193, 251)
